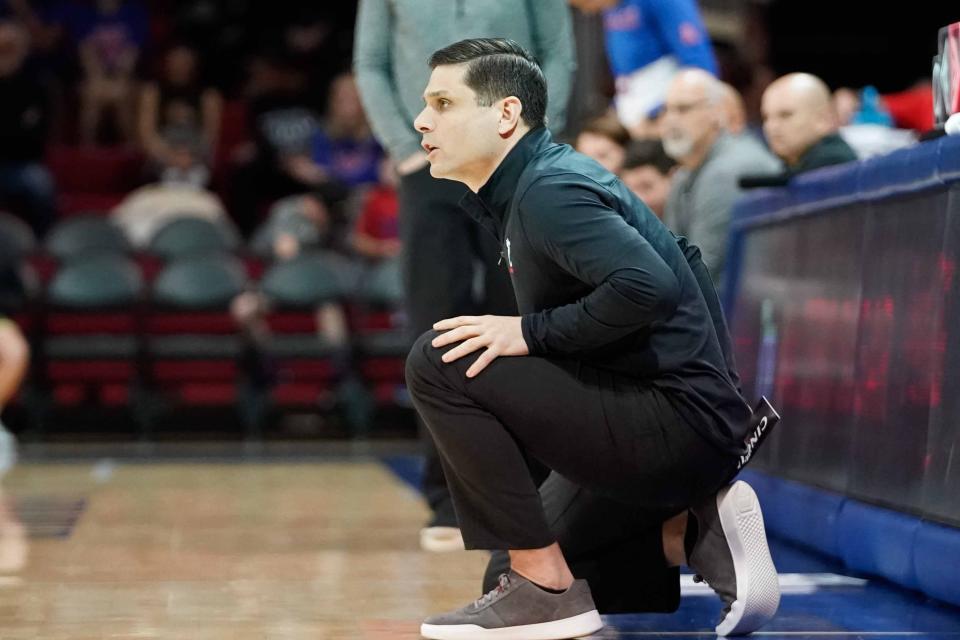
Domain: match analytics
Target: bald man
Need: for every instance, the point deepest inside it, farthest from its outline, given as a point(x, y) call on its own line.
point(693, 129)
point(800, 123)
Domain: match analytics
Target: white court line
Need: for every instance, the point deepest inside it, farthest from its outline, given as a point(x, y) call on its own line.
point(790, 583)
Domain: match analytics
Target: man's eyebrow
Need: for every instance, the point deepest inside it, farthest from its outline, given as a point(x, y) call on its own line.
point(434, 94)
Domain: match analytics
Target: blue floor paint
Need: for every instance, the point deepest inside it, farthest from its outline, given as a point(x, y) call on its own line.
point(409, 469)
point(875, 610)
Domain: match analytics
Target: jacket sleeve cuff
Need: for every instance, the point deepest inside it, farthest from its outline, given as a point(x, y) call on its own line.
point(530, 325)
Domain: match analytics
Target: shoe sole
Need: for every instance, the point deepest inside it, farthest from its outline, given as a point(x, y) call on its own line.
point(574, 627)
point(441, 539)
point(758, 590)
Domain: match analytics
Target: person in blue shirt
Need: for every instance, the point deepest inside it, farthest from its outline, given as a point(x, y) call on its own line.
point(109, 37)
point(344, 147)
point(647, 42)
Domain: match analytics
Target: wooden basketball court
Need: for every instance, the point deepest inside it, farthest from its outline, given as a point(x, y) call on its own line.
point(220, 551)
point(320, 548)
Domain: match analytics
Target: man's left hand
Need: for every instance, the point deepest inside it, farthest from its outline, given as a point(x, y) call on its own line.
point(500, 335)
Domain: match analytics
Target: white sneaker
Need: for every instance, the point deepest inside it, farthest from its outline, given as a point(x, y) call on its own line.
point(441, 539)
point(731, 555)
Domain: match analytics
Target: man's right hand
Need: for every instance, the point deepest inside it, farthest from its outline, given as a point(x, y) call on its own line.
point(412, 164)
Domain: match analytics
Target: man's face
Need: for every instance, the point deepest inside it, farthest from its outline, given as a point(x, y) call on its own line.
point(608, 153)
point(791, 125)
point(649, 185)
point(688, 120)
point(460, 137)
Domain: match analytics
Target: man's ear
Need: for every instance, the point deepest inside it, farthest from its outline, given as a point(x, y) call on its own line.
point(510, 110)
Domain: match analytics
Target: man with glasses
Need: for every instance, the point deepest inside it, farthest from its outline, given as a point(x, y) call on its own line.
point(711, 163)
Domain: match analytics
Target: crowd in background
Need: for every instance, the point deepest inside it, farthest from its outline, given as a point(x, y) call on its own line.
point(247, 114)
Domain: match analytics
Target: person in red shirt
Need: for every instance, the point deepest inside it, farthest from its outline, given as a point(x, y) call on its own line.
point(376, 235)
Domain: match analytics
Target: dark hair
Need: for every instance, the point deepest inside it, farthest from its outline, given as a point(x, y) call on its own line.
point(608, 127)
point(642, 153)
point(498, 68)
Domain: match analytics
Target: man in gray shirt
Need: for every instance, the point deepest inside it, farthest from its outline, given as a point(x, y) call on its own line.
point(442, 245)
point(711, 164)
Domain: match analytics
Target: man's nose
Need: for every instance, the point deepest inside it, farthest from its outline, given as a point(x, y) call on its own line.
point(421, 123)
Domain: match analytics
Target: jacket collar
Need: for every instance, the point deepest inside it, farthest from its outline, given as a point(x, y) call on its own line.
point(490, 205)
point(825, 144)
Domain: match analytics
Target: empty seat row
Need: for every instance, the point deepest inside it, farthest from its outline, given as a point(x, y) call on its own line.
point(106, 337)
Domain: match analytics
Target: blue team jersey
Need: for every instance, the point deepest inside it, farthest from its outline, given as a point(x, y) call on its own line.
point(642, 31)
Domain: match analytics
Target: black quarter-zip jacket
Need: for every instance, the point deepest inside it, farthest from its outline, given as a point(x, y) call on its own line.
point(598, 278)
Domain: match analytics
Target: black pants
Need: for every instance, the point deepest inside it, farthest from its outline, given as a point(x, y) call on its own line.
point(623, 462)
point(446, 253)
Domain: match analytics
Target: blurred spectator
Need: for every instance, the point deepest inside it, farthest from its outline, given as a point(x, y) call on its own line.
point(343, 147)
point(14, 351)
point(648, 41)
point(846, 103)
point(648, 172)
point(376, 235)
point(31, 17)
point(318, 36)
point(912, 108)
point(179, 100)
point(284, 123)
point(604, 139)
point(184, 157)
point(25, 184)
point(711, 163)
point(279, 162)
point(734, 110)
point(800, 124)
point(871, 109)
point(179, 193)
point(294, 224)
point(109, 36)
point(866, 125)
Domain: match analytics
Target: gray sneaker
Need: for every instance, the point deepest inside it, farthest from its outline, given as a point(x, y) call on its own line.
point(730, 554)
point(517, 609)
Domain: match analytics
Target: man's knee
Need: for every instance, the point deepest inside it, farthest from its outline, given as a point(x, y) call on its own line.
point(424, 361)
